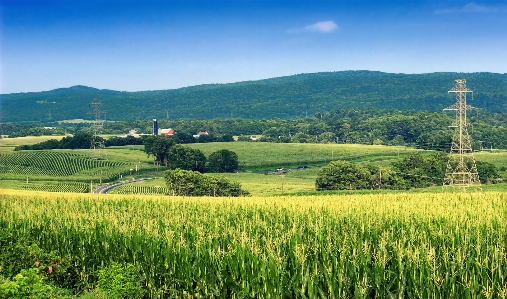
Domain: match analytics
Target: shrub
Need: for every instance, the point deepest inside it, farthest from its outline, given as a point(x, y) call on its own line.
point(342, 175)
point(192, 183)
point(121, 281)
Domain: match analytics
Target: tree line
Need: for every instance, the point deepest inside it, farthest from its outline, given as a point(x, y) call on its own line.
point(186, 165)
point(423, 129)
point(413, 171)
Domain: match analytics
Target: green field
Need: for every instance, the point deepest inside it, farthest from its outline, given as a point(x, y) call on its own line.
point(8, 144)
point(263, 156)
point(449, 245)
point(285, 240)
point(257, 161)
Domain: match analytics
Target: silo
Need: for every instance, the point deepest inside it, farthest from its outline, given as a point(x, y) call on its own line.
point(155, 127)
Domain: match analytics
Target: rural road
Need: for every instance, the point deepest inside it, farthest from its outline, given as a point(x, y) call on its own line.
point(106, 188)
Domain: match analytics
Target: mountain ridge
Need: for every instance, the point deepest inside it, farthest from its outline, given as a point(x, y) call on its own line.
point(282, 97)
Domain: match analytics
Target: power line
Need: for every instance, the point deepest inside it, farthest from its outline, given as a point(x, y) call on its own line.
point(461, 168)
point(97, 147)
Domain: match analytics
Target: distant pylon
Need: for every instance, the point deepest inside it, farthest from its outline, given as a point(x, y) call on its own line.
point(97, 148)
point(461, 168)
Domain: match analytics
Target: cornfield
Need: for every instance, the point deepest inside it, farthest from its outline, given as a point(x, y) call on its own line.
point(56, 164)
point(56, 187)
point(449, 245)
point(139, 189)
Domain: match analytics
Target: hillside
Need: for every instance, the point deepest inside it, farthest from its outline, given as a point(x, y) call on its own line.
point(281, 97)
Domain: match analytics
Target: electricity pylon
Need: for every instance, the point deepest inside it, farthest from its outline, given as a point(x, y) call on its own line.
point(97, 148)
point(461, 168)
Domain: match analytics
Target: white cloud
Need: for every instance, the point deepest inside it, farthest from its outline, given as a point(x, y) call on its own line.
point(321, 27)
point(471, 7)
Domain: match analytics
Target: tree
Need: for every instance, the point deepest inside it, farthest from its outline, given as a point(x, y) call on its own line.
point(341, 175)
point(186, 158)
point(487, 171)
point(192, 183)
point(158, 146)
point(422, 171)
point(223, 161)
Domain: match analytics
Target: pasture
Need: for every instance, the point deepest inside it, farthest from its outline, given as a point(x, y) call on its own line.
point(263, 156)
point(448, 245)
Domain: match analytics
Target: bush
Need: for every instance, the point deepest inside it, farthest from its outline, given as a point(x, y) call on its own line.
point(121, 281)
point(192, 183)
point(342, 175)
point(29, 283)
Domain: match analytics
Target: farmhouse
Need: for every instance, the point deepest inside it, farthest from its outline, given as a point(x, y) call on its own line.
point(166, 132)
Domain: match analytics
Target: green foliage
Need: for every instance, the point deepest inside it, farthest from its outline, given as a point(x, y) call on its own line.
point(342, 175)
point(487, 172)
point(26, 284)
point(413, 171)
point(121, 281)
point(192, 183)
point(122, 141)
point(187, 158)
point(80, 140)
point(223, 161)
point(277, 97)
point(158, 146)
point(17, 254)
point(420, 171)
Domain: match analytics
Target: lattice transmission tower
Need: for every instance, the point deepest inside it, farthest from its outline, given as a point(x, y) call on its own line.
point(461, 168)
point(97, 148)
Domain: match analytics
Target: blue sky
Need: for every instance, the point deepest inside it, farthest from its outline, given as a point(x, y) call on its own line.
point(151, 45)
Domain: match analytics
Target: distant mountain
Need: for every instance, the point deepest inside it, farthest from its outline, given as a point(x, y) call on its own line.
point(281, 97)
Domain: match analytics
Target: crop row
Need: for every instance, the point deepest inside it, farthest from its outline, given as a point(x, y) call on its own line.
point(56, 187)
point(139, 189)
point(450, 245)
point(50, 163)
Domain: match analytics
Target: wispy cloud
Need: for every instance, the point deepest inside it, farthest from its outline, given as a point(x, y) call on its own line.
point(471, 7)
point(320, 27)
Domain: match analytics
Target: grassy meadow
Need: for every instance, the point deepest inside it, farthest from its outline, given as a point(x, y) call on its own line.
point(404, 245)
point(263, 156)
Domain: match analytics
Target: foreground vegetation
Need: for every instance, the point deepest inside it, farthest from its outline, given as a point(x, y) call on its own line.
point(449, 245)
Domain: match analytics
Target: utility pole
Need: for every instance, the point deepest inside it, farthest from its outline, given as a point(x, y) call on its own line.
point(97, 147)
point(461, 169)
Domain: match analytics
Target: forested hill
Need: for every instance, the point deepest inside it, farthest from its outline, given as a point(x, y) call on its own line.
point(281, 97)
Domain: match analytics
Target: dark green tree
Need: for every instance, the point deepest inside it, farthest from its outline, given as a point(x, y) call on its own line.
point(342, 175)
point(192, 183)
point(223, 161)
point(158, 146)
point(422, 171)
point(186, 158)
point(487, 172)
